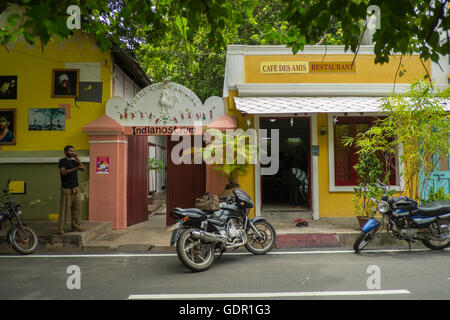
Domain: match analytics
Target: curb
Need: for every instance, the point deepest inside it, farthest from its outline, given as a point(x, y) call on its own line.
point(284, 241)
point(322, 240)
point(307, 240)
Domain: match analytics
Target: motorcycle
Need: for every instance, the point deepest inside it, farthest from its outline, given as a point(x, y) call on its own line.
point(21, 237)
point(199, 234)
point(405, 220)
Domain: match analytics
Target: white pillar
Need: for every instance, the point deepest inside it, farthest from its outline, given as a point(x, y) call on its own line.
point(314, 169)
point(257, 173)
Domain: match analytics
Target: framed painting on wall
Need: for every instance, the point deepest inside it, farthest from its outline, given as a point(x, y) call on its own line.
point(65, 83)
point(8, 126)
point(8, 87)
point(47, 119)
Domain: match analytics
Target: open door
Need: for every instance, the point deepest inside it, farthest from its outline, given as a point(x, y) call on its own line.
point(185, 183)
point(277, 191)
point(137, 180)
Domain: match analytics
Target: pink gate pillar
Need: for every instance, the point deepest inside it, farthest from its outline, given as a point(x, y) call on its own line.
point(107, 187)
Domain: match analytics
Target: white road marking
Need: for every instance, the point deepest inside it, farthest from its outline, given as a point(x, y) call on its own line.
point(131, 255)
point(87, 255)
point(257, 295)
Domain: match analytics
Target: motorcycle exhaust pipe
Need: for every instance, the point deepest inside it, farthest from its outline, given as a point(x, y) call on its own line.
point(206, 236)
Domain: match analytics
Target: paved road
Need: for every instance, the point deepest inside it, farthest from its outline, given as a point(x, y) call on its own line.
point(333, 274)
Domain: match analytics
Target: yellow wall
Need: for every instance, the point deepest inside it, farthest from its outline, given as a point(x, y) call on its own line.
point(34, 71)
point(247, 181)
point(331, 204)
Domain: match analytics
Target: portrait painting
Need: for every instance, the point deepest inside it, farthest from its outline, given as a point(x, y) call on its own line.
point(7, 126)
point(65, 83)
point(8, 87)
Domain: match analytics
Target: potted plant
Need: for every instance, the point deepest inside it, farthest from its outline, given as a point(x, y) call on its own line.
point(415, 120)
point(369, 170)
point(376, 149)
point(155, 164)
point(230, 165)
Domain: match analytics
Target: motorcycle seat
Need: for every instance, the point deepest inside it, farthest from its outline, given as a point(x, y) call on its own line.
point(191, 210)
point(434, 209)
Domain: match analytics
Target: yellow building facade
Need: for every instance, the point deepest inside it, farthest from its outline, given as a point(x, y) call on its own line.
point(44, 121)
point(312, 98)
point(33, 67)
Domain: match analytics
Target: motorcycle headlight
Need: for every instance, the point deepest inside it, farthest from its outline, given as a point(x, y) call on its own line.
point(18, 210)
point(383, 206)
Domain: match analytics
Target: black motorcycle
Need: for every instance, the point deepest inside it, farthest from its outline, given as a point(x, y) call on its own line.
point(199, 234)
point(21, 237)
point(407, 221)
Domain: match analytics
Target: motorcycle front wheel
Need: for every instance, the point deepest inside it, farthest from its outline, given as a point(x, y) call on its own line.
point(362, 241)
point(437, 244)
point(24, 242)
point(196, 255)
point(265, 242)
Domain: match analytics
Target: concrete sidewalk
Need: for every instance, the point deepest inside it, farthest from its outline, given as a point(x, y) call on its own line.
point(153, 235)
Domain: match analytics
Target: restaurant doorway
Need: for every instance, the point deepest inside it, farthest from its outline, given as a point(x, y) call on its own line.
point(290, 188)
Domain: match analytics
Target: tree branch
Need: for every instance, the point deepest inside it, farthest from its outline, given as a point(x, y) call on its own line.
point(396, 73)
point(426, 70)
point(359, 43)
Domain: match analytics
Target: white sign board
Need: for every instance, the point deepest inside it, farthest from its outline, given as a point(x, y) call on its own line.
point(165, 104)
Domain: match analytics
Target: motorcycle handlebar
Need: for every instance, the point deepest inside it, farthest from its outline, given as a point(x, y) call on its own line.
point(6, 190)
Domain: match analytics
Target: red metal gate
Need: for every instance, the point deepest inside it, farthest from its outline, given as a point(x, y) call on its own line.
point(185, 182)
point(137, 180)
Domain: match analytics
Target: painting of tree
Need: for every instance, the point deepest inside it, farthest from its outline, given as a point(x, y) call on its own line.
point(47, 119)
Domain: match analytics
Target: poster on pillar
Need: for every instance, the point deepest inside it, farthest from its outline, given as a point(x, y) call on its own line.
point(165, 104)
point(102, 165)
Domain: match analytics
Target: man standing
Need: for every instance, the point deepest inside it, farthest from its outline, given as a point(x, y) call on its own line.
point(302, 178)
point(70, 193)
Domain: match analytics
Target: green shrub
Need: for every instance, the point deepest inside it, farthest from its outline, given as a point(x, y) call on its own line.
point(438, 195)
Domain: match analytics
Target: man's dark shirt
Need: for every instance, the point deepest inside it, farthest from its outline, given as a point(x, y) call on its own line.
point(69, 180)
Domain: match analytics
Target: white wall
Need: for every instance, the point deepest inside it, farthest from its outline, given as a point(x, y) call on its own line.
point(160, 152)
point(123, 85)
point(440, 72)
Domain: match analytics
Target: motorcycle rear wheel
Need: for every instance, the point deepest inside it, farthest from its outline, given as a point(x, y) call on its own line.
point(264, 244)
point(196, 255)
point(23, 242)
point(437, 244)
